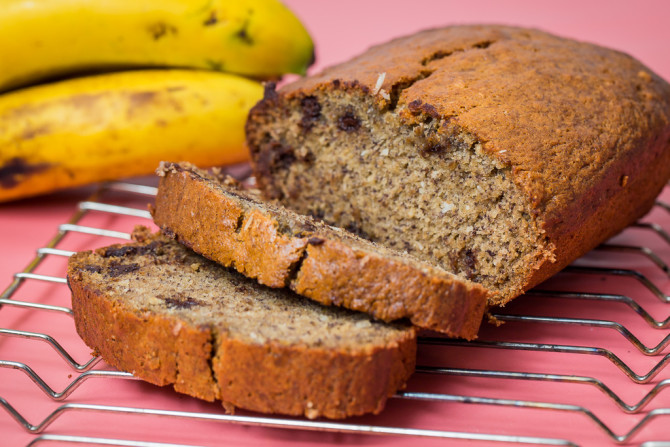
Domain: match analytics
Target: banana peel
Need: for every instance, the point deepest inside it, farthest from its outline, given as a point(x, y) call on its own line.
point(118, 125)
point(42, 40)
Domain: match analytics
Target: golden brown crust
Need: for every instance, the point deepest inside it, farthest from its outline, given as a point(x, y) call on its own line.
point(301, 381)
point(334, 273)
point(160, 350)
point(583, 130)
point(623, 195)
point(205, 362)
point(210, 223)
point(195, 210)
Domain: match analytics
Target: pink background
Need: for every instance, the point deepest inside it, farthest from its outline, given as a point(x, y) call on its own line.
point(340, 30)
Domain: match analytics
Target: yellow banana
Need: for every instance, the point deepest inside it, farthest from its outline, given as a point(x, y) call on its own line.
point(117, 125)
point(43, 39)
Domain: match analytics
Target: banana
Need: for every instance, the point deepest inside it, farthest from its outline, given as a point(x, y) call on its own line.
point(46, 39)
point(118, 125)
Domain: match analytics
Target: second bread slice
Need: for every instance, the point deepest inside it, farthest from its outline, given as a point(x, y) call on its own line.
point(280, 248)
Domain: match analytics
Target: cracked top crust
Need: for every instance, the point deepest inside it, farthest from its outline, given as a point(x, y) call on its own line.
point(579, 126)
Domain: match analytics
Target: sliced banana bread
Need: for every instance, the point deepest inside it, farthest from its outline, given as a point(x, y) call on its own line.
point(498, 153)
point(170, 316)
point(221, 221)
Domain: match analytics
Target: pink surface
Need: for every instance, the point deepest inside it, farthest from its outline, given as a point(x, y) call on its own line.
point(342, 29)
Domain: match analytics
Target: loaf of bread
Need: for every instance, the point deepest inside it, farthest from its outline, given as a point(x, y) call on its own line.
point(500, 154)
point(169, 316)
point(280, 248)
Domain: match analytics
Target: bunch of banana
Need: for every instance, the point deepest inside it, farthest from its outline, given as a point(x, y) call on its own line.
point(169, 84)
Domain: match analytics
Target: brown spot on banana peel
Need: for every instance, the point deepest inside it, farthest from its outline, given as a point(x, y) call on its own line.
point(139, 102)
point(211, 20)
point(33, 132)
point(158, 30)
point(243, 34)
point(16, 169)
point(139, 99)
point(85, 101)
point(214, 65)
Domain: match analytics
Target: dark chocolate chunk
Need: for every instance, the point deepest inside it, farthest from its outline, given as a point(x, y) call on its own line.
point(115, 270)
point(470, 259)
point(180, 301)
point(349, 122)
point(275, 156)
point(315, 240)
point(92, 268)
point(132, 250)
point(311, 112)
point(432, 149)
point(118, 252)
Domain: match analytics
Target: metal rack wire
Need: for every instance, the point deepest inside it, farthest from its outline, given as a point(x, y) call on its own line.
point(656, 255)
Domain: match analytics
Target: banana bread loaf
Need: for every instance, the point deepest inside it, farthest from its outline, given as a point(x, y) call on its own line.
point(280, 248)
point(498, 153)
point(169, 316)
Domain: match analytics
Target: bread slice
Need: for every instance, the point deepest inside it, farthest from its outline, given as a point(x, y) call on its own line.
point(283, 249)
point(169, 316)
point(500, 154)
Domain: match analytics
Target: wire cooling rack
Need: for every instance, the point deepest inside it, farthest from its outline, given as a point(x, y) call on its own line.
point(580, 360)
